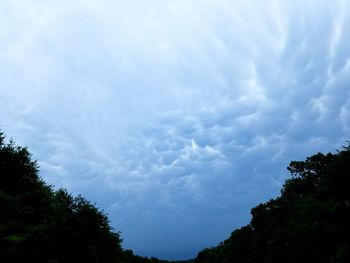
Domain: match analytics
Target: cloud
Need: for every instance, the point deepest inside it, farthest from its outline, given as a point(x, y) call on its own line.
point(174, 116)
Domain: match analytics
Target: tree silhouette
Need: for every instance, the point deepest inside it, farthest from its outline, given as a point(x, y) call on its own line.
point(38, 224)
point(309, 222)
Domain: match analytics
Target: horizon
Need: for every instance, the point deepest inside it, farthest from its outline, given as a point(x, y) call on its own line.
point(175, 117)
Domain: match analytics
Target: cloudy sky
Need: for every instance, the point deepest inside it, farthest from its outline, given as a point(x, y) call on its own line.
point(175, 116)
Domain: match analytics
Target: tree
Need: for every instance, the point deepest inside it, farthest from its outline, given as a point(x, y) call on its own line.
point(38, 224)
point(309, 222)
point(25, 203)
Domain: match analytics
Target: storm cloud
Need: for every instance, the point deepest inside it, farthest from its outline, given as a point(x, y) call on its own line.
point(176, 117)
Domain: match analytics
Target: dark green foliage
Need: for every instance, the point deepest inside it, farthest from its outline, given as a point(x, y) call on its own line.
point(309, 222)
point(82, 231)
point(38, 224)
point(24, 202)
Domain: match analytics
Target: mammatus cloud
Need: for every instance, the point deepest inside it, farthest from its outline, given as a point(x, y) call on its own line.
point(175, 117)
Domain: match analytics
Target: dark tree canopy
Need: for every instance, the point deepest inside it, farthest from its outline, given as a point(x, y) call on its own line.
point(309, 222)
point(38, 224)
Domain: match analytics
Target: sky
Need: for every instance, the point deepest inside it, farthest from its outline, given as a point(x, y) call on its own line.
point(175, 117)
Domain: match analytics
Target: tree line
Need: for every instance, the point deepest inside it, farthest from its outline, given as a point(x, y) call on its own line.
point(308, 222)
